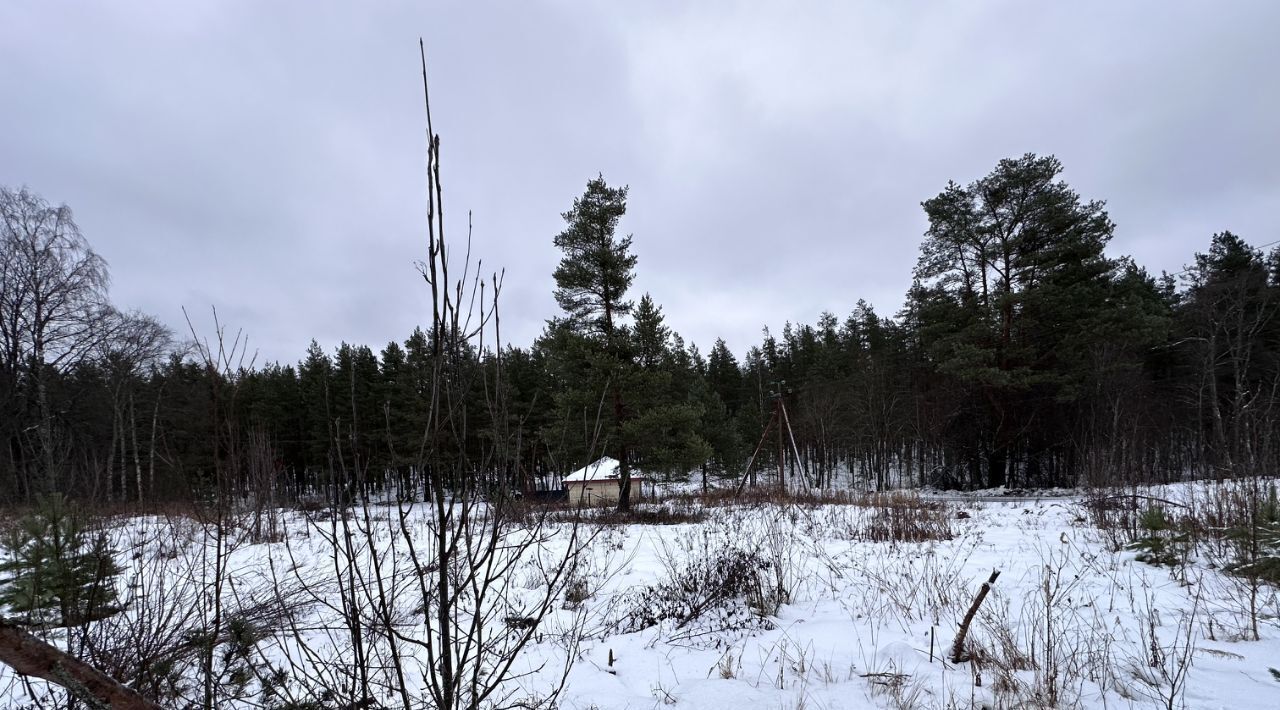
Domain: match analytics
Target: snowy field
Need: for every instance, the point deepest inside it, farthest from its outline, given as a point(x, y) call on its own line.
point(742, 606)
point(1069, 616)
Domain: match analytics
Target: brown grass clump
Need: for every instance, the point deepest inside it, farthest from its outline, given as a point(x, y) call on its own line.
point(905, 517)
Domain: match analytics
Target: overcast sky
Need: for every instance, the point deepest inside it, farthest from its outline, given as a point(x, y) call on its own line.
point(267, 158)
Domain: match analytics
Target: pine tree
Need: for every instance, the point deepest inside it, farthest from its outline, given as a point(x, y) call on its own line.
point(724, 376)
point(1011, 271)
point(651, 335)
point(59, 572)
point(1231, 329)
point(356, 412)
point(270, 402)
point(665, 428)
point(315, 374)
point(597, 267)
point(528, 386)
point(591, 286)
point(397, 398)
point(578, 376)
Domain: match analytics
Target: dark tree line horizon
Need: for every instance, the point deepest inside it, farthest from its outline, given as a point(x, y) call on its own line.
point(1024, 356)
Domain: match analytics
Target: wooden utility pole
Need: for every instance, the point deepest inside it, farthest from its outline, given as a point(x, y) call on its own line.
point(799, 462)
point(746, 474)
point(782, 448)
point(779, 419)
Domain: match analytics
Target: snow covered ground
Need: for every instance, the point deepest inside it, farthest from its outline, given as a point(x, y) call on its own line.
point(824, 606)
point(1068, 616)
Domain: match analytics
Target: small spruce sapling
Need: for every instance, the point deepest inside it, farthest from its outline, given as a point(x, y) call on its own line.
point(1257, 542)
point(1163, 543)
point(58, 571)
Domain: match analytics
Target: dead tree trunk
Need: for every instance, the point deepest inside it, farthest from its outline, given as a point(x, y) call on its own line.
point(30, 656)
point(958, 654)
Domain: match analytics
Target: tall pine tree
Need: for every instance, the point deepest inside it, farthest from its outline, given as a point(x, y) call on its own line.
point(1011, 269)
point(591, 286)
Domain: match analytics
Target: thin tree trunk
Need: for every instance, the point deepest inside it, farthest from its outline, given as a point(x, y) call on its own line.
point(137, 454)
point(151, 454)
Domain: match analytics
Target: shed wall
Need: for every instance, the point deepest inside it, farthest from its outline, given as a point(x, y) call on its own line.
point(602, 492)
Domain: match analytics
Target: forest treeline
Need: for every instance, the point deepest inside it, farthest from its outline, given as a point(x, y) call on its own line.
point(1024, 356)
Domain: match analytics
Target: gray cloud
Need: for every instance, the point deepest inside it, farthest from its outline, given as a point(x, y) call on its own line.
point(266, 158)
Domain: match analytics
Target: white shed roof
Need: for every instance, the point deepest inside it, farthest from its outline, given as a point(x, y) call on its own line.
point(606, 469)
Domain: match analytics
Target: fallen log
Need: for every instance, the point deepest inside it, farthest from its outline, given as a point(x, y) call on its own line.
point(29, 656)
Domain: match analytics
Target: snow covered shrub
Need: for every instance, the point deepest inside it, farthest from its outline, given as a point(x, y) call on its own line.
point(59, 570)
point(576, 591)
point(1246, 515)
point(783, 546)
point(898, 690)
point(1043, 649)
point(1157, 665)
point(1113, 516)
point(719, 591)
point(1002, 654)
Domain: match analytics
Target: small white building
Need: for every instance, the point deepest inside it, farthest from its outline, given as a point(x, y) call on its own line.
point(598, 483)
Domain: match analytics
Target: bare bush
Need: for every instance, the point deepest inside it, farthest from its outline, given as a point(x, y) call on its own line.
point(1161, 663)
point(711, 590)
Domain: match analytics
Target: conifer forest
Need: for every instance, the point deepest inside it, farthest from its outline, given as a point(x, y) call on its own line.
point(1026, 356)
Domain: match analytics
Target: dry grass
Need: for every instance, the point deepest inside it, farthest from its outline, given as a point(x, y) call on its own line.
point(770, 495)
point(641, 514)
point(905, 517)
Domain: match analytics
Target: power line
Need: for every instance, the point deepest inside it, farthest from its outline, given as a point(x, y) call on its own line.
point(1260, 247)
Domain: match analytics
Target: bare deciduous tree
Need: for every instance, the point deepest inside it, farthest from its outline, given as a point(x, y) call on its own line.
point(53, 310)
